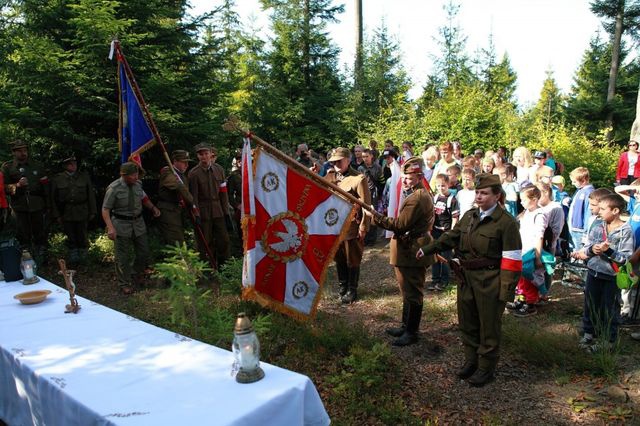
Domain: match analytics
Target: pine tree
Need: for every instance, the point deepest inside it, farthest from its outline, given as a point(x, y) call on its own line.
point(548, 109)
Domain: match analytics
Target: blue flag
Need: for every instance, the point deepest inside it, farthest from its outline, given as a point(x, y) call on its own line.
point(134, 135)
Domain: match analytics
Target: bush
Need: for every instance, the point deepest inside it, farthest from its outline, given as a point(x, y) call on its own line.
point(101, 249)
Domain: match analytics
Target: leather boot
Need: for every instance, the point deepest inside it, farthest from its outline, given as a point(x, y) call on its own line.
point(481, 377)
point(467, 370)
point(352, 293)
point(399, 331)
point(410, 335)
point(343, 279)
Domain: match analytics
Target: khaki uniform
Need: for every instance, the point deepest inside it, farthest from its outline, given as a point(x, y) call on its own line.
point(30, 203)
point(125, 205)
point(349, 254)
point(173, 198)
point(209, 189)
point(486, 289)
point(74, 202)
point(411, 230)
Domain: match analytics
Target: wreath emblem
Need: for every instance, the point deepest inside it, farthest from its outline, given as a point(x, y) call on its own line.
point(270, 182)
point(300, 290)
point(331, 217)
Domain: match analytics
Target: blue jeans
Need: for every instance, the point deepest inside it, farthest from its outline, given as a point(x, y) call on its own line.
point(440, 271)
point(601, 306)
point(576, 239)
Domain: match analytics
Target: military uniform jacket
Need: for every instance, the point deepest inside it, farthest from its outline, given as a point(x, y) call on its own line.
point(234, 184)
point(32, 198)
point(411, 229)
point(209, 190)
point(354, 183)
point(171, 191)
point(116, 199)
point(497, 237)
point(73, 197)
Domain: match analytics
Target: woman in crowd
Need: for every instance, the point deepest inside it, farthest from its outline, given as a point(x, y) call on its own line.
point(523, 162)
point(628, 165)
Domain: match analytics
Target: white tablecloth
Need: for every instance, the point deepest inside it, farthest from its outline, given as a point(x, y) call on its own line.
point(103, 367)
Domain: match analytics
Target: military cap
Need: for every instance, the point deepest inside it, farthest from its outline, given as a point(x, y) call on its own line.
point(339, 154)
point(180, 155)
point(202, 146)
point(128, 168)
point(412, 165)
point(17, 144)
point(69, 159)
point(487, 180)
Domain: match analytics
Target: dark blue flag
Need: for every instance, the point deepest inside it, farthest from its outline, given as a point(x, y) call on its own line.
point(134, 136)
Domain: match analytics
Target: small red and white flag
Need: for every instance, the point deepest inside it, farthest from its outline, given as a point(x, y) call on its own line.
point(292, 227)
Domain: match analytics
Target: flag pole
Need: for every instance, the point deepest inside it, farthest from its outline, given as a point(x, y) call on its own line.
point(156, 135)
point(232, 125)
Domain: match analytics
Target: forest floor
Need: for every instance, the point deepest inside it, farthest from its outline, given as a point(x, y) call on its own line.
point(543, 376)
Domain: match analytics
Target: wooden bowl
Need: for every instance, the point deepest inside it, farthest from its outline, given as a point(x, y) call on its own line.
point(32, 297)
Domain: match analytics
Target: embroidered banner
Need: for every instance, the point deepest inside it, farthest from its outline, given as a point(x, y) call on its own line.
point(292, 227)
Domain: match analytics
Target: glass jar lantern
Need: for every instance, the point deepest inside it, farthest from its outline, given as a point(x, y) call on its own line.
point(28, 268)
point(246, 351)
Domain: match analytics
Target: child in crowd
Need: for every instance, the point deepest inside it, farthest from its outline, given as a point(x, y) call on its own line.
point(532, 226)
point(631, 195)
point(469, 162)
point(487, 165)
point(559, 194)
point(579, 209)
point(467, 195)
point(553, 223)
point(454, 179)
point(607, 247)
point(510, 188)
point(447, 212)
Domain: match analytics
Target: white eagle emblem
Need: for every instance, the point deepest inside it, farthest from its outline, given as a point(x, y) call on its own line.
point(290, 239)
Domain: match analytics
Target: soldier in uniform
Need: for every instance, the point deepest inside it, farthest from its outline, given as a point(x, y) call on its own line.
point(349, 254)
point(411, 231)
point(208, 186)
point(173, 196)
point(73, 206)
point(487, 242)
point(122, 213)
point(28, 185)
point(234, 185)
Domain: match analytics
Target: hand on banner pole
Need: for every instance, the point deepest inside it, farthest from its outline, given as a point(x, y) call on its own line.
point(372, 212)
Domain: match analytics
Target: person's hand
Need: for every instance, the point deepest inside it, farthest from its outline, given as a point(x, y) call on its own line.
point(580, 255)
point(22, 182)
point(361, 234)
point(597, 249)
point(111, 233)
point(441, 259)
point(419, 254)
point(155, 211)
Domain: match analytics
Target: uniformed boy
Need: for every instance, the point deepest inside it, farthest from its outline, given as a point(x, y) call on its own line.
point(73, 206)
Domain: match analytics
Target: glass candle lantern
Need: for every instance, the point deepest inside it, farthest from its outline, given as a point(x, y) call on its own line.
point(28, 268)
point(246, 351)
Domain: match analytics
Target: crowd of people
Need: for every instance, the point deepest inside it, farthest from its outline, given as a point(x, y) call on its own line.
point(497, 221)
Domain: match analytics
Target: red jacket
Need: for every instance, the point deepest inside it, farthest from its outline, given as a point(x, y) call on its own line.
point(623, 167)
point(3, 196)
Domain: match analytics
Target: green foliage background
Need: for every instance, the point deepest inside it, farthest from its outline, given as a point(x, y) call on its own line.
point(58, 89)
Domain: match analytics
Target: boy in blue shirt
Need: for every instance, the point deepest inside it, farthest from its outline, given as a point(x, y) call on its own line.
point(579, 213)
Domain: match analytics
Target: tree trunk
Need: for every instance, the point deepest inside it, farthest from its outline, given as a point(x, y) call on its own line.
point(306, 44)
point(359, 36)
point(613, 71)
point(635, 129)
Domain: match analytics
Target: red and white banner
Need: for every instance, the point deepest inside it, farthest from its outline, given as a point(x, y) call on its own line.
point(292, 228)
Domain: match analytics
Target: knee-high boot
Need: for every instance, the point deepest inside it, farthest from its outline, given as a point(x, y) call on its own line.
point(343, 278)
point(352, 293)
point(410, 335)
point(399, 331)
